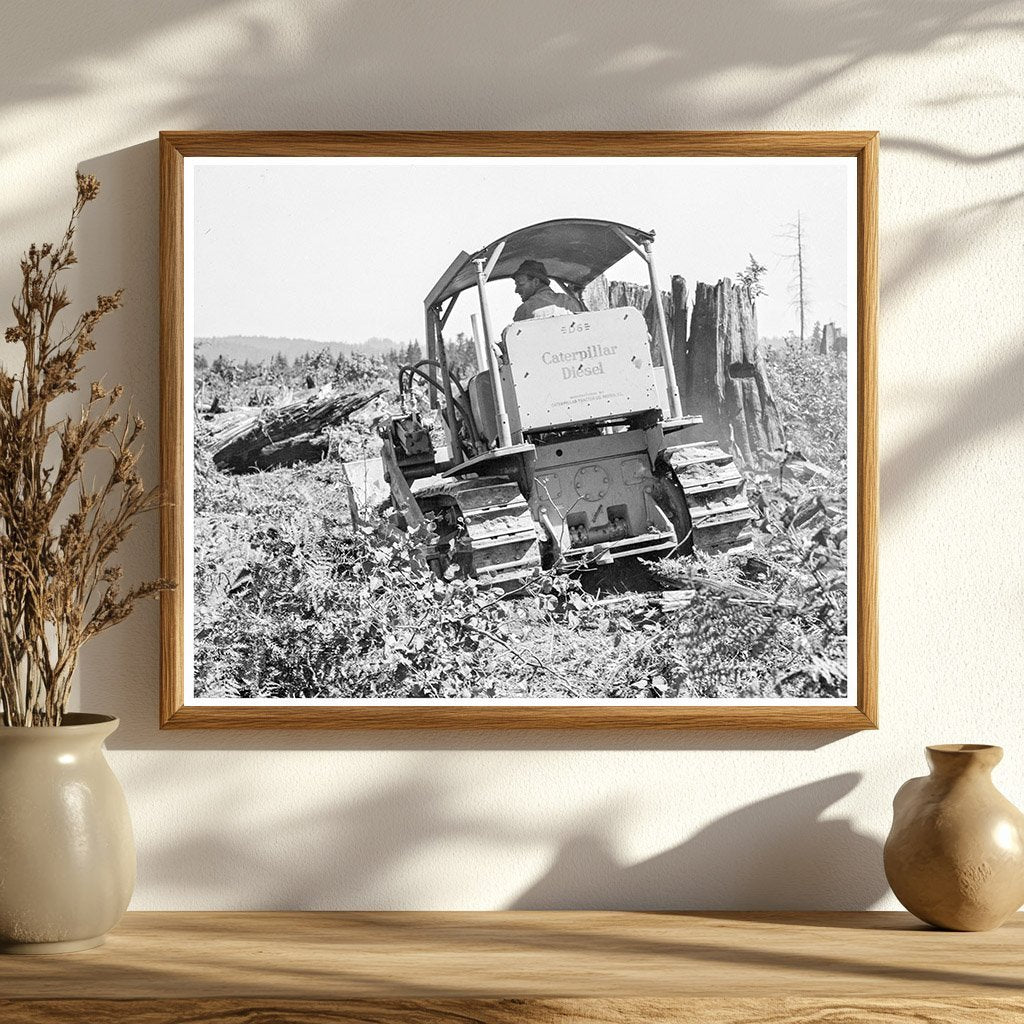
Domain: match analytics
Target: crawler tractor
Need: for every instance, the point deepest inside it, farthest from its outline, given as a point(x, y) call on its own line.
point(567, 448)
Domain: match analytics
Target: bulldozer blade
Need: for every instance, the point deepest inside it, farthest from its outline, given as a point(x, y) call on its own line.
point(365, 486)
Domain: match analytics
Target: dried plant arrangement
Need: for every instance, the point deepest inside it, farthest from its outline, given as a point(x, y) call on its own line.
point(58, 531)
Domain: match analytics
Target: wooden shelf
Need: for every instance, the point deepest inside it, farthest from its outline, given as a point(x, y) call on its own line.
point(499, 968)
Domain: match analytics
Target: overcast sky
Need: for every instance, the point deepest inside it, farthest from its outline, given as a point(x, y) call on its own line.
point(343, 249)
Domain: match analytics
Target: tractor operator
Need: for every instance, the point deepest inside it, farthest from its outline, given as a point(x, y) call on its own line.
point(533, 286)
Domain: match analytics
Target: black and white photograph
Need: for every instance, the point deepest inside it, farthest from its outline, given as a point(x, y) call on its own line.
point(520, 431)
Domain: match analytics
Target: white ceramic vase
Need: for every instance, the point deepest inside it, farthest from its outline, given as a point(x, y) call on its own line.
point(67, 854)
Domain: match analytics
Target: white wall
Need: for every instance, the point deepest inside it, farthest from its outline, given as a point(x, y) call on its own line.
point(756, 820)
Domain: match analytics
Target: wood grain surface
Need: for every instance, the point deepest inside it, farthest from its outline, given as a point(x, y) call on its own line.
point(515, 1011)
point(172, 438)
point(524, 966)
point(527, 954)
point(302, 143)
point(176, 146)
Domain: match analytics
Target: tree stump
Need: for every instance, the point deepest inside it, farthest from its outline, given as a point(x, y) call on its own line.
point(716, 359)
point(595, 295)
point(726, 378)
point(604, 294)
point(828, 339)
point(678, 332)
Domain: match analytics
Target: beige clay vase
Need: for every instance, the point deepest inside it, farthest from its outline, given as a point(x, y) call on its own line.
point(67, 856)
point(955, 855)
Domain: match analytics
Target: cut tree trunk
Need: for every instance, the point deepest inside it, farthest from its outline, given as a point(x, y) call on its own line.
point(627, 293)
point(717, 359)
point(285, 435)
point(726, 378)
point(604, 294)
point(678, 332)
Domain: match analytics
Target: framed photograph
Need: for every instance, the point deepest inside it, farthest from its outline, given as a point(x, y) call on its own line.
point(519, 430)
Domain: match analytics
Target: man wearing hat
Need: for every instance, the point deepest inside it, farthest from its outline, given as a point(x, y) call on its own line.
point(533, 286)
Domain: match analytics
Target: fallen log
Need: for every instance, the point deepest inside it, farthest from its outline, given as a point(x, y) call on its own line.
point(686, 581)
point(664, 601)
point(283, 436)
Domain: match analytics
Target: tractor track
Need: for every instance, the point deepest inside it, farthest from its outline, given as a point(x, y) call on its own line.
point(715, 495)
point(493, 535)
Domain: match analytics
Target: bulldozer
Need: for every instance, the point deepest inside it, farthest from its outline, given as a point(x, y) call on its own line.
point(568, 448)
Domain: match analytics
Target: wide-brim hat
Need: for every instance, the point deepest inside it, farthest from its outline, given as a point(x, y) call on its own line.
point(533, 268)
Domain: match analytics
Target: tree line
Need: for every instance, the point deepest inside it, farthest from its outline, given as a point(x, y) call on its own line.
point(320, 367)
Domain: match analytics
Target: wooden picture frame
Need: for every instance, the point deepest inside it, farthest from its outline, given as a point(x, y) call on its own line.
point(859, 711)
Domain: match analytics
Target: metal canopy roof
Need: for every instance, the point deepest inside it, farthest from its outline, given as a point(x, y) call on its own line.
point(574, 250)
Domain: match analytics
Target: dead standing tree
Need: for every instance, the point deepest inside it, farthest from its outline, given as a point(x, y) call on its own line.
point(798, 260)
point(726, 378)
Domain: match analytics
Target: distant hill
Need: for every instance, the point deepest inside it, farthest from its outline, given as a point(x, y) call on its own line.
point(259, 349)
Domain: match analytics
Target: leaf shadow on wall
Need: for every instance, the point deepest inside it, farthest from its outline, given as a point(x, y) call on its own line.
point(778, 853)
point(983, 405)
point(221, 63)
point(989, 404)
point(407, 842)
point(310, 63)
point(938, 243)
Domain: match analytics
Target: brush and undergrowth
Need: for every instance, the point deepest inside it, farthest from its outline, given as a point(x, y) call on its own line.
point(292, 601)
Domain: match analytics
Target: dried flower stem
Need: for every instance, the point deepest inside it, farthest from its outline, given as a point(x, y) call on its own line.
point(57, 588)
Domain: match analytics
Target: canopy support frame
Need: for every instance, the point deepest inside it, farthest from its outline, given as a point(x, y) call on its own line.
point(675, 404)
point(483, 268)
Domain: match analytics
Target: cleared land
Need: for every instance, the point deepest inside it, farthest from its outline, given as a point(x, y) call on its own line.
point(292, 601)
